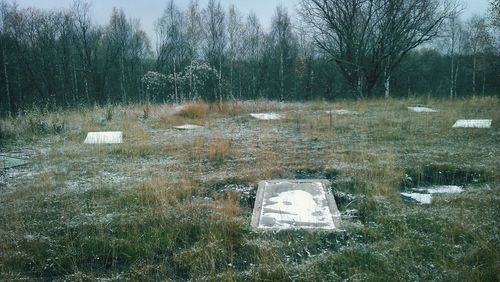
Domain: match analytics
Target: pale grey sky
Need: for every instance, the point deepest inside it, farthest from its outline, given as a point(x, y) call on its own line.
point(150, 10)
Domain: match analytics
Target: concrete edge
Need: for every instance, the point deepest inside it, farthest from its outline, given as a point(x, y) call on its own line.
point(24, 162)
point(257, 207)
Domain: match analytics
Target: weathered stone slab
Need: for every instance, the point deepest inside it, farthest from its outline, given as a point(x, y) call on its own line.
point(441, 189)
point(188, 127)
point(473, 123)
point(419, 197)
point(267, 116)
point(424, 195)
point(295, 204)
point(10, 162)
point(342, 112)
point(421, 109)
point(106, 137)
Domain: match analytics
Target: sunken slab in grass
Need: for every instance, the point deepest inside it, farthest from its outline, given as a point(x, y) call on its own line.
point(295, 204)
point(10, 162)
point(422, 109)
point(188, 127)
point(472, 123)
point(106, 137)
point(267, 116)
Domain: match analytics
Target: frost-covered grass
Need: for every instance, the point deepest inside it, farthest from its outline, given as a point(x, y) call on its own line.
point(169, 204)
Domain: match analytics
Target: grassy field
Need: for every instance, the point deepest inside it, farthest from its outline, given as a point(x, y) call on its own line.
point(176, 205)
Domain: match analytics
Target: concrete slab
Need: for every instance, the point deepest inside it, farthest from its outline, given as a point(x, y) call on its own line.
point(472, 123)
point(295, 204)
point(188, 127)
point(424, 195)
point(421, 198)
point(106, 137)
point(341, 112)
point(10, 162)
point(441, 189)
point(421, 109)
point(267, 116)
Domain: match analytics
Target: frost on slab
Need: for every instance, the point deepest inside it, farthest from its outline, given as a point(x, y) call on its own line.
point(424, 195)
point(473, 123)
point(109, 137)
point(421, 109)
point(267, 116)
point(292, 205)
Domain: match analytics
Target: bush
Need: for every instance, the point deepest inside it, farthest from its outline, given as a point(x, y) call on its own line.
point(195, 110)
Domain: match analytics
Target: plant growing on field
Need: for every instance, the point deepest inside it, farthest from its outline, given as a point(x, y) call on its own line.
point(154, 84)
point(197, 78)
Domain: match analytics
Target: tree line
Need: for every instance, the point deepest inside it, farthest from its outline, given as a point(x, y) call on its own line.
point(335, 49)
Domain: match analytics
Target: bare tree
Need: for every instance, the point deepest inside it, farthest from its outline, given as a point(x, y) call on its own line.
point(4, 11)
point(119, 33)
point(478, 41)
point(494, 13)
point(252, 48)
point(235, 34)
point(215, 40)
point(284, 42)
point(455, 43)
point(494, 19)
point(194, 30)
point(369, 37)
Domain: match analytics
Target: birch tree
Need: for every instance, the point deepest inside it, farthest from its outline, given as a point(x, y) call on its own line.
point(478, 41)
point(366, 38)
point(215, 42)
point(284, 42)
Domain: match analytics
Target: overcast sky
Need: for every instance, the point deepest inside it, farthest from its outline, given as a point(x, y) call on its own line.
point(150, 10)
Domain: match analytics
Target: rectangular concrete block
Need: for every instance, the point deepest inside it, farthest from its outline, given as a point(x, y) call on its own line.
point(295, 204)
point(109, 137)
point(188, 127)
point(342, 112)
point(267, 116)
point(9, 162)
point(472, 123)
point(420, 109)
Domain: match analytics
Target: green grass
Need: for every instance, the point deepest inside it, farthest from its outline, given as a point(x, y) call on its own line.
point(176, 205)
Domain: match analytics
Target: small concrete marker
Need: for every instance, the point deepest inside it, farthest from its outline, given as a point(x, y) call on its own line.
point(424, 195)
point(421, 198)
point(421, 109)
point(295, 204)
point(10, 162)
point(107, 137)
point(188, 127)
point(341, 112)
point(472, 123)
point(441, 189)
point(267, 116)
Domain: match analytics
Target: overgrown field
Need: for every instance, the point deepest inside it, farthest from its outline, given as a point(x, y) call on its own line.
point(176, 205)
